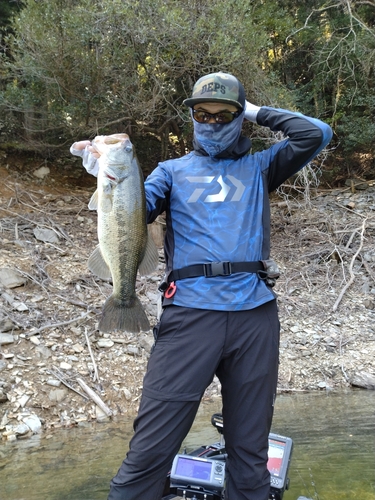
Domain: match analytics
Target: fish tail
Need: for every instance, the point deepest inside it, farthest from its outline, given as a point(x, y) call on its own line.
point(118, 315)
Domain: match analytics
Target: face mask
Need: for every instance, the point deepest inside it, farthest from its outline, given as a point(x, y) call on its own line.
point(217, 137)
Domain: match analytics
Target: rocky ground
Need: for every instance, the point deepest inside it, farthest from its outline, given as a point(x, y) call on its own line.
point(57, 369)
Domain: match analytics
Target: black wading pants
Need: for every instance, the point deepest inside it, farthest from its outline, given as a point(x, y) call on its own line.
point(192, 345)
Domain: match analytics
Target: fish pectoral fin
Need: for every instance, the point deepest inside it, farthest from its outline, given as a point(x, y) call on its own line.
point(151, 257)
point(108, 186)
point(105, 201)
point(98, 265)
point(106, 204)
point(94, 201)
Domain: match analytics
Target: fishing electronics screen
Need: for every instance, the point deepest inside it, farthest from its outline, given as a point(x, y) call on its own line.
point(199, 473)
point(279, 455)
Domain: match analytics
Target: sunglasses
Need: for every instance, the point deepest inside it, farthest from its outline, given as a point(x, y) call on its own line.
point(221, 117)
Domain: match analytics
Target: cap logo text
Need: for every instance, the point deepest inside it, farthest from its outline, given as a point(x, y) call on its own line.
point(213, 87)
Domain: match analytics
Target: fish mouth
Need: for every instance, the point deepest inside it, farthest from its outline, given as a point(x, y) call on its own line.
point(118, 141)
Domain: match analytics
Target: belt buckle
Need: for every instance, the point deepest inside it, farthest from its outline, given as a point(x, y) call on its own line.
point(217, 269)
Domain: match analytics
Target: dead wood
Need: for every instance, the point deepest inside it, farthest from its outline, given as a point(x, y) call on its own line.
point(352, 275)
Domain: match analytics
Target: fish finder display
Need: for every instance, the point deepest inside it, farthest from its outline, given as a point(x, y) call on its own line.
point(201, 474)
point(198, 472)
point(204, 473)
point(276, 452)
point(192, 468)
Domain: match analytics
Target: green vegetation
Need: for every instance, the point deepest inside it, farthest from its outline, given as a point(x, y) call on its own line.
point(73, 69)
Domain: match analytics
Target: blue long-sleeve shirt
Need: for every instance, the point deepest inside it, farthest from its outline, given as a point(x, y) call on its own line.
point(218, 210)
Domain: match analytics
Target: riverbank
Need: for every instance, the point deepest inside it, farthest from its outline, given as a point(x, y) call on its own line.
point(57, 369)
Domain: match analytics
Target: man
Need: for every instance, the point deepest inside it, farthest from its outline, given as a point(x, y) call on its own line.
point(220, 314)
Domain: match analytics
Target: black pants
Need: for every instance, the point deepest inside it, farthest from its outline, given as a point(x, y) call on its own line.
point(192, 345)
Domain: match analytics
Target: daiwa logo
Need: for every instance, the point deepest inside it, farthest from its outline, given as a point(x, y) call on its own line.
point(225, 194)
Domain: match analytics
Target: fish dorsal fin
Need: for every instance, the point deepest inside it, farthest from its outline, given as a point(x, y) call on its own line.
point(151, 257)
point(98, 265)
point(94, 201)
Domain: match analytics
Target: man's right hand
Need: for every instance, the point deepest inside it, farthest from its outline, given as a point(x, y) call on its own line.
point(83, 144)
point(89, 156)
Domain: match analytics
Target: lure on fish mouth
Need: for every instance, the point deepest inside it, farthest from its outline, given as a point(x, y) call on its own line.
point(125, 245)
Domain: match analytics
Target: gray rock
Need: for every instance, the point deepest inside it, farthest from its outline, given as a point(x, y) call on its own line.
point(33, 422)
point(20, 306)
point(53, 382)
point(41, 172)
point(16, 304)
point(153, 297)
point(3, 396)
point(20, 357)
point(151, 309)
point(127, 394)
point(21, 429)
point(6, 338)
point(11, 278)
point(101, 416)
point(131, 349)
point(65, 366)
point(57, 395)
point(46, 235)
point(105, 343)
point(73, 358)
point(43, 351)
point(146, 342)
point(23, 400)
point(363, 379)
point(369, 304)
point(6, 325)
point(34, 340)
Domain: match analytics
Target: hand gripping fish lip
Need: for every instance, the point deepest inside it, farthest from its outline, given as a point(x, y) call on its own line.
point(118, 141)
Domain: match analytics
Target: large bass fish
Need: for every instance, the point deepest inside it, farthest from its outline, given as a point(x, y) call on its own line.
point(124, 242)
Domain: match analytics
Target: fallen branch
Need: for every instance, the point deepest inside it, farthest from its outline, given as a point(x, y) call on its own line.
point(94, 397)
point(54, 325)
point(79, 304)
point(352, 275)
point(96, 375)
point(351, 238)
point(350, 210)
point(62, 379)
point(30, 221)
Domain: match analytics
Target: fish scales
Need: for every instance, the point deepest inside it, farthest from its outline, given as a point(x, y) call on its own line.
point(122, 238)
point(124, 242)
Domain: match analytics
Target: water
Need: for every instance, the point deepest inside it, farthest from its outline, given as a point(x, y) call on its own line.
point(334, 452)
point(333, 457)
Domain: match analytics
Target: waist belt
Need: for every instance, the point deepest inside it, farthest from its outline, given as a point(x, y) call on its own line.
point(212, 269)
